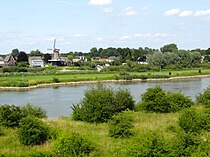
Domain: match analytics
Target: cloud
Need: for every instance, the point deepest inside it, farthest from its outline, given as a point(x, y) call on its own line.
point(65, 1)
point(108, 10)
point(172, 12)
point(186, 13)
point(100, 2)
point(161, 35)
point(202, 12)
point(130, 12)
point(125, 37)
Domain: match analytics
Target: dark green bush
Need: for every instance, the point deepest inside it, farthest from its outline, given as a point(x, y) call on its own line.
point(178, 101)
point(56, 80)
point(204, 97)
point(40, 154)
point(123, 100)
point(148, 145)
point(188, 144)
point(10, 116)
point(32, 131)
point(121, 126)
point(97, 105)
point(101, 103)
point(1, 131)
point(73, 145)
point(158, 100)
point(33, 110)
point(192, 120)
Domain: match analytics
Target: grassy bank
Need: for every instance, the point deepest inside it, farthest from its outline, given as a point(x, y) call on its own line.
point(29, 79)
point(98, 133)
point(163, 124)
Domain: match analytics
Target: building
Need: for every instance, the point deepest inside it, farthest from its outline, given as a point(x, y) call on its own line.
point(36, 61)
point(81, 59)
point(10, 60)
point(1, 62)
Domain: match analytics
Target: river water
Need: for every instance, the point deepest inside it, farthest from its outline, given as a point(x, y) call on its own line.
point(58, 101)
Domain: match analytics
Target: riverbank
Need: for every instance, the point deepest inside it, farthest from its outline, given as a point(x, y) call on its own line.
point(61, 84)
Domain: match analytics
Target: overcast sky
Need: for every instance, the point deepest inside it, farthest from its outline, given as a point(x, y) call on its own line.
point(79, 25)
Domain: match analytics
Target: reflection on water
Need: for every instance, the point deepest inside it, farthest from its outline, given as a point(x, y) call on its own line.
point(58, 101)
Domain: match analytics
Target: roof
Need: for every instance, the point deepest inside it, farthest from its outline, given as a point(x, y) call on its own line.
point(34, 58)
point(7, 58)
point(1, 59)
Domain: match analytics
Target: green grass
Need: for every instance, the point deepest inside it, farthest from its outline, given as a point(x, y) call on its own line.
point(28, 79)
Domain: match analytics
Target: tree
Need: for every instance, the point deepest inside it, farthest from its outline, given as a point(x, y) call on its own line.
point(157, 59)
point(22, 57)
point(36, 53)
point(169, 48)
point(15, 53)
point(94, 52)
point(47, 57)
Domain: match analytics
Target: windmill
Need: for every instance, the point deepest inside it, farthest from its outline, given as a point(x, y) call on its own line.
point(56, 59)
point(55, 51)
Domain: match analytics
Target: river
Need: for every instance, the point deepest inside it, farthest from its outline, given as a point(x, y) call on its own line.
point(58, 101)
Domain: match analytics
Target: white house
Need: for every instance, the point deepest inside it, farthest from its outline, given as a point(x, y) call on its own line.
point(36, 61)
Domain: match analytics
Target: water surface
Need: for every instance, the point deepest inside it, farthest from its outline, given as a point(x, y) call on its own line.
point(58, 101)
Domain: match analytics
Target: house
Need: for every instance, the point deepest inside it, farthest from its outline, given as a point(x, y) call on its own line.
point(111, 59)
point(1, 62)
point(10, 60)
point(36, 61)
point(81, 59)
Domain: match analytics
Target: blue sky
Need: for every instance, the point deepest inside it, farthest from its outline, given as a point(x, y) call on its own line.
point(79, 25)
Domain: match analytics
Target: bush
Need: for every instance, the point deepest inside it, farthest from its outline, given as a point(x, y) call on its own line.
point(32, 131)
point(72, 145)
point(188, 144)
point(10, 116)
point(194, 121)
point(120, 126)
point(33, 110)
point(1, 131)
point(178, 101)
point(204, 97)
point(101, 103)
point(123, 100)
point(148, 145)
point(158, 100)
point(97, 105)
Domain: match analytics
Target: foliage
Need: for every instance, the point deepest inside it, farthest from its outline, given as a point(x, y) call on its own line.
point(73, 145)
point(101, 103)
point(120, 125)
point(10, 115)
point(1, 131)
point(22, 57)
point(204, 97)
point(32, 131)
point(56, 80)
point(97, 105)
point(123, 100)
point(194, 121)
point(33, 110)
point(178, 101)
point(158, 100)
point(147, 145)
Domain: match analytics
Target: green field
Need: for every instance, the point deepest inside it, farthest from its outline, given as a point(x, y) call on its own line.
point(30, 79)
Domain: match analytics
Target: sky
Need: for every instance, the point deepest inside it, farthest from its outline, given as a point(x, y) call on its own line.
point(79, 25)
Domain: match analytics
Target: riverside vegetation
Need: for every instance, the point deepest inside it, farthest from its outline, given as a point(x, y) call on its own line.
point(109, 123)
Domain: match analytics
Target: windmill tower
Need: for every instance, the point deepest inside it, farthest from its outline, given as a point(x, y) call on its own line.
point(56, 59)
point(55, 51)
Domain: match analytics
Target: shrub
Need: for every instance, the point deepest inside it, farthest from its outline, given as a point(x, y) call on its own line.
point(194, 121)
point(188, 144)
point(120, 125)
point(33, 110)
point(178, 101)
point(56, 80)
point(32, 131)
point(72, 145)
point(158, 100)
point(101, 103)
point(10, 115)
point(123, 100)
point(204, 97)
point(155, 100)
point(1, 131)
point(148, 145)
